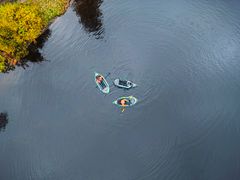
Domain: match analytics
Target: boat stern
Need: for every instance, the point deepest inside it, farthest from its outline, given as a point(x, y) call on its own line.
point(106, 90)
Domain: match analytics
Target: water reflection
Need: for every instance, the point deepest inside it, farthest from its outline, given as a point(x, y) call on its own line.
point(3, 121)
point(90, 16)
point(35, 55)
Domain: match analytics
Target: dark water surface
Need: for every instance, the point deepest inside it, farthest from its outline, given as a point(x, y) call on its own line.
point(183, 54)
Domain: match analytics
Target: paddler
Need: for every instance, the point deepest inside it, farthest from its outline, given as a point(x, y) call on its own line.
point(123, 102)
point(99, 79)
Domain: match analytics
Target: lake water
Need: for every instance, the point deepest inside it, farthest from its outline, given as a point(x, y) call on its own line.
point(185, 57)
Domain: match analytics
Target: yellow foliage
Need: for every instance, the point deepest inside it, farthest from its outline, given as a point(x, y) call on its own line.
point(19, 26)
point(22, 23)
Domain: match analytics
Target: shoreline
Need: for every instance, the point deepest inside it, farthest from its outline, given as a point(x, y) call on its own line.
point(52, 20)
point(8, 61)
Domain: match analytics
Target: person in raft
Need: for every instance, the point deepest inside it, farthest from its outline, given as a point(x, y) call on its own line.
point(123, 102)
point(99, 79)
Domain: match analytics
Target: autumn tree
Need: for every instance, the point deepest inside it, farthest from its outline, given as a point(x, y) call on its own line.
point(20, 24)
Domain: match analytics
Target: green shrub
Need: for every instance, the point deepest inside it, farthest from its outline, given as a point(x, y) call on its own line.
point(50, 8)
point(2, 63)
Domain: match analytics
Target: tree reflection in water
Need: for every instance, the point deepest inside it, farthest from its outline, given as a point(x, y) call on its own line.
point(90, 16)
point(3, 121)
point(35, 55)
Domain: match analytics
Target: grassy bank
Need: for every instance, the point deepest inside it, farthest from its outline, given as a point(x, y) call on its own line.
point(21, 23)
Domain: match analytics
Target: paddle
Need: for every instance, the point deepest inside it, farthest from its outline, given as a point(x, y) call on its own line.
point(108, 74)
